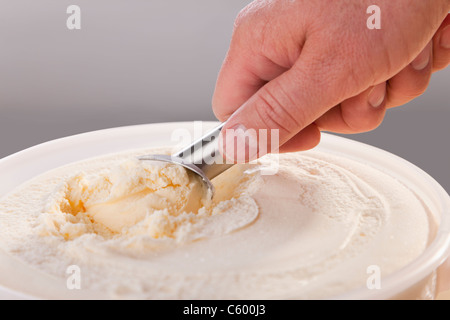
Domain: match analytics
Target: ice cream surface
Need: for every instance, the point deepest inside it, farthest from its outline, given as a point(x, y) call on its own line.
point(156, 200)
point(310, 229)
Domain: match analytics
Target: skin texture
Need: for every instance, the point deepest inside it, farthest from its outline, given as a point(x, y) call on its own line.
point(304, 66)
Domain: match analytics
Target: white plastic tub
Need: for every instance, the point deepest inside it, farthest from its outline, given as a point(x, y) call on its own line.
point(415, 281)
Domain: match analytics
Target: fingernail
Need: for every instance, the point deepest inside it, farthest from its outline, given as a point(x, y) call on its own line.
point(239, 144)
point(423, 59)
point(377, 94)
point(445, 38)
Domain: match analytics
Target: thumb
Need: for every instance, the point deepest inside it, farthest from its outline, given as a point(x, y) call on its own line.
point(283, 110)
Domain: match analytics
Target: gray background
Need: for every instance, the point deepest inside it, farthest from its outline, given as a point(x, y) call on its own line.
point(143, 61)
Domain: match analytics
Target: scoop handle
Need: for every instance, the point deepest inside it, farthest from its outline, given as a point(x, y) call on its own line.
point(205, 154)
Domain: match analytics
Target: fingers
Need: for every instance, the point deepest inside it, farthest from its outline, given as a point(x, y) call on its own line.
point(412, 81)
point(366, 111)
point(242, 74)
point(360, 113)
point(245, 69)
point(306, 139)
point(289, 104)
point(441, 46)
point(297, 98)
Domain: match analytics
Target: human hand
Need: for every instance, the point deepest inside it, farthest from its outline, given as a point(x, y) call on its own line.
point(308, 66)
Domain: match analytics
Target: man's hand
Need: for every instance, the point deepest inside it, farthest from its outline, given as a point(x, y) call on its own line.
point(306, 66)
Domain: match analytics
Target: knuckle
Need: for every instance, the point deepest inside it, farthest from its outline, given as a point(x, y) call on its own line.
point(418, 92)
point(272, 109)
point(243, 16)
point(361, 118)
point(364, 124)
point(238, 21)
point(440, 64)
point(416, 87)
point(372, 123)
point(407, 85)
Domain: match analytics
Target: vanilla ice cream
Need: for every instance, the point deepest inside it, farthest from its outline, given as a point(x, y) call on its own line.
point(140, 229)
point(115, 200)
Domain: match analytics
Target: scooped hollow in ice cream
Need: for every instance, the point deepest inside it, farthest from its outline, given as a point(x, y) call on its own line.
point(122, 197)
point(155, 199)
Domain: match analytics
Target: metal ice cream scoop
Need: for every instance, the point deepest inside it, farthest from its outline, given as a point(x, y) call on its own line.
point(201, 157)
